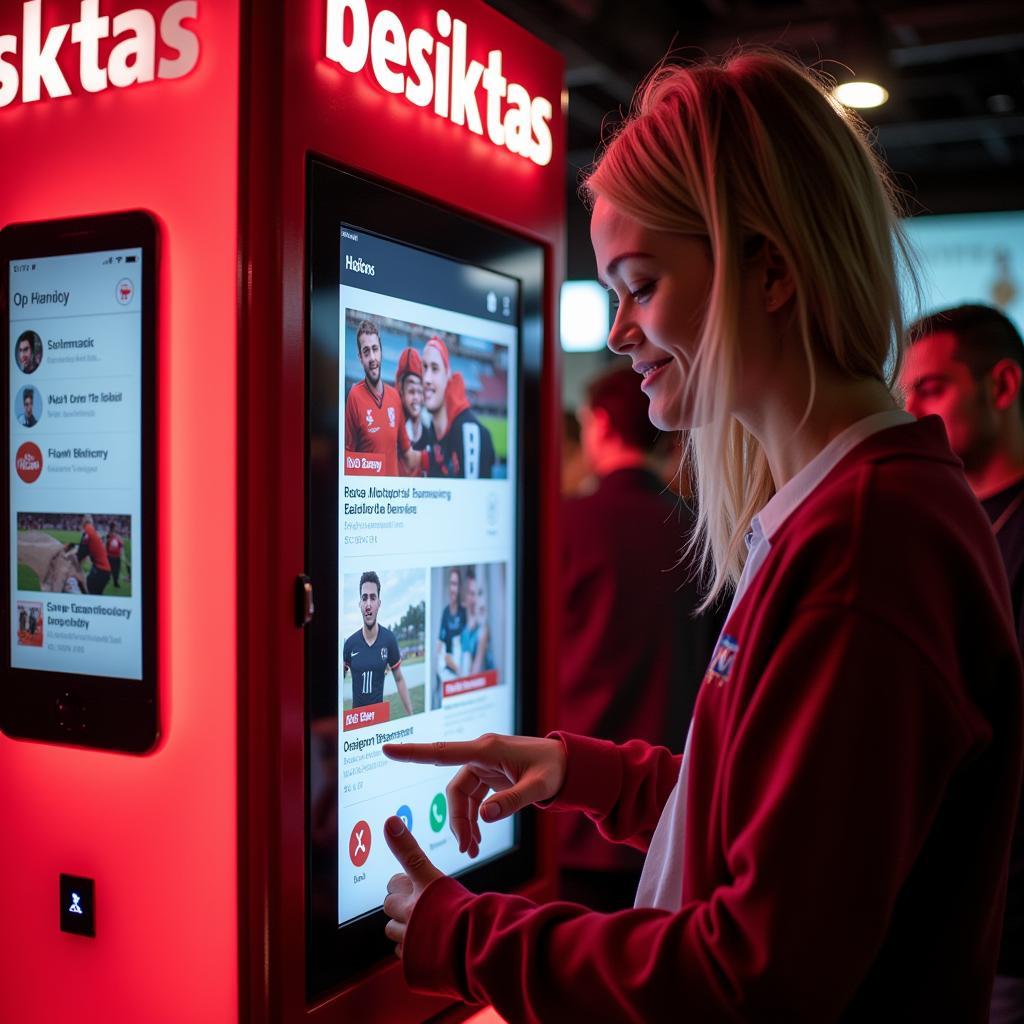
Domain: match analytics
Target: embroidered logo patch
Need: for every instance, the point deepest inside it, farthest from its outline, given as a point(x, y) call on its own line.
point(722, 661)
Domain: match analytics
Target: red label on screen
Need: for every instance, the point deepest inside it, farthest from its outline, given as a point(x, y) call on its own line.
point(371, 714)
point(363, 464)
point(467, 684)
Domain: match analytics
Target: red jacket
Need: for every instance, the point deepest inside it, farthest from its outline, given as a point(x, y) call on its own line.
point(852, 789)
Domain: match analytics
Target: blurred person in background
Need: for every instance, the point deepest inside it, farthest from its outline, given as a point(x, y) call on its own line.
point(966, 365)
point(576, 477)
point(629, 622)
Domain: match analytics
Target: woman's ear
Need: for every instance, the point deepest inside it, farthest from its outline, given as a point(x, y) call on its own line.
point(779, 285)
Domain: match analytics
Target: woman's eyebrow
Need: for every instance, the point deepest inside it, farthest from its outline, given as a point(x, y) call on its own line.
point(613, 264)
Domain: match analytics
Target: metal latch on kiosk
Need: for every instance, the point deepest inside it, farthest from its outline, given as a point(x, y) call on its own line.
point(303, 601)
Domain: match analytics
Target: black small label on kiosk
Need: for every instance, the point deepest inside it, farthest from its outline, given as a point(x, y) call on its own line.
point(77, 905)
point(78, 506)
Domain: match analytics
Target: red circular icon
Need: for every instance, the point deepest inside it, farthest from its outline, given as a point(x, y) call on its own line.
point(29, 462)
point(359, 844)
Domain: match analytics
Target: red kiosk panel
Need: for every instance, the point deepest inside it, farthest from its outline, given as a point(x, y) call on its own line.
point(157, 833)
point(359, 121)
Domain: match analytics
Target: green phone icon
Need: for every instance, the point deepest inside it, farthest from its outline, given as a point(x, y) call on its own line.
point(438, 812)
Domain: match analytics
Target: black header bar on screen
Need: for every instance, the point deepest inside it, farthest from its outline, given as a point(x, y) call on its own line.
point(390, 268)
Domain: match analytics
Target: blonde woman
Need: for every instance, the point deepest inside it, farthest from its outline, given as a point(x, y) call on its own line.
point(833, 842)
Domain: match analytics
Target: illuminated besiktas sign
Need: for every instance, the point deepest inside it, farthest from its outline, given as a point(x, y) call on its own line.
point(434, 73)
point(29, 69)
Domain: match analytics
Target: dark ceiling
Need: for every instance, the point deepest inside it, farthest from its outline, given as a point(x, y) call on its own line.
point(953, 129)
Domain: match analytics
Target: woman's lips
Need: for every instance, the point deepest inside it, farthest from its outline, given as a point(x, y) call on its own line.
point(650, 370)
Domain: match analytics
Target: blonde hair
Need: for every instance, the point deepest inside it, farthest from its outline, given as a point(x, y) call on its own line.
point(747, 148)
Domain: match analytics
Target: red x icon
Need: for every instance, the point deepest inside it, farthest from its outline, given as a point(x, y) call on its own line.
point(359, 844)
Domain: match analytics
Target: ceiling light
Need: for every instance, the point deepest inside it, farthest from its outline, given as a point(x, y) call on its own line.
point(861, 94)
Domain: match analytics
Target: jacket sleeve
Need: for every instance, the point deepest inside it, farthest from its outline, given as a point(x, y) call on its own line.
point(622, 788)
point(830, 786)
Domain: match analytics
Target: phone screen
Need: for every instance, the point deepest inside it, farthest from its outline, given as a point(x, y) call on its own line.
point(75, 477)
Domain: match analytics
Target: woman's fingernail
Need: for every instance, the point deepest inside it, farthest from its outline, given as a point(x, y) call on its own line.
point(394, 826)
point(489, 812)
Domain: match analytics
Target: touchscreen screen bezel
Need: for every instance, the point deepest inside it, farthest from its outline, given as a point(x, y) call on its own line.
point(72, 708)
point(337, 954)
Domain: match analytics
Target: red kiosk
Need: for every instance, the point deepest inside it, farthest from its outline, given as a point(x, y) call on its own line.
point(282, 150)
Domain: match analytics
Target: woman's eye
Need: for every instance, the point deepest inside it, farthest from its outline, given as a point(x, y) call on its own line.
point(642, 292)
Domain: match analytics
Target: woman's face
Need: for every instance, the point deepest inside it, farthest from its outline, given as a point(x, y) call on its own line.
point(662, 280)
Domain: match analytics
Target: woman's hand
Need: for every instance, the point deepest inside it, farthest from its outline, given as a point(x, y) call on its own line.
point(405, 889)
point(520, 769)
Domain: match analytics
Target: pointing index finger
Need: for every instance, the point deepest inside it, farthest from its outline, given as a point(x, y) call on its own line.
point(441, 752)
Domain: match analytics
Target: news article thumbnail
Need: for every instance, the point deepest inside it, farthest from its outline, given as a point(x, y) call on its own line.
point(75, 553)
point(423, 402)
point(467, 627)
point(383, 627)
point(30, 624)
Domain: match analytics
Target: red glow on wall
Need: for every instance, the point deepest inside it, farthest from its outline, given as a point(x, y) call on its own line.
point(157, 833)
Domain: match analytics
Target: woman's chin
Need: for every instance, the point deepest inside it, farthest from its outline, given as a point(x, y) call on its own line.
point(667, 415)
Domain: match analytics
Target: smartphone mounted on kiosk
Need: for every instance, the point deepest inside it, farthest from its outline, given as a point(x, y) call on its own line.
point(78, 508)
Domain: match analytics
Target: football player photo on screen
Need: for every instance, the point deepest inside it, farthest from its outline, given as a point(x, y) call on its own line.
point(423, 402)
point(75, 553)
point(30, 623)
point(467, 629)
point(383, 658)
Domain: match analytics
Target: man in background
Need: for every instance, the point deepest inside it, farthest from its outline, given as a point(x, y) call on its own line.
point(632, 653)
point(463, 446)
point(966, 366)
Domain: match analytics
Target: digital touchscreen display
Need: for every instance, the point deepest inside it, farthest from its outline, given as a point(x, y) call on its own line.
point(427, 428)
point(74, 435)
